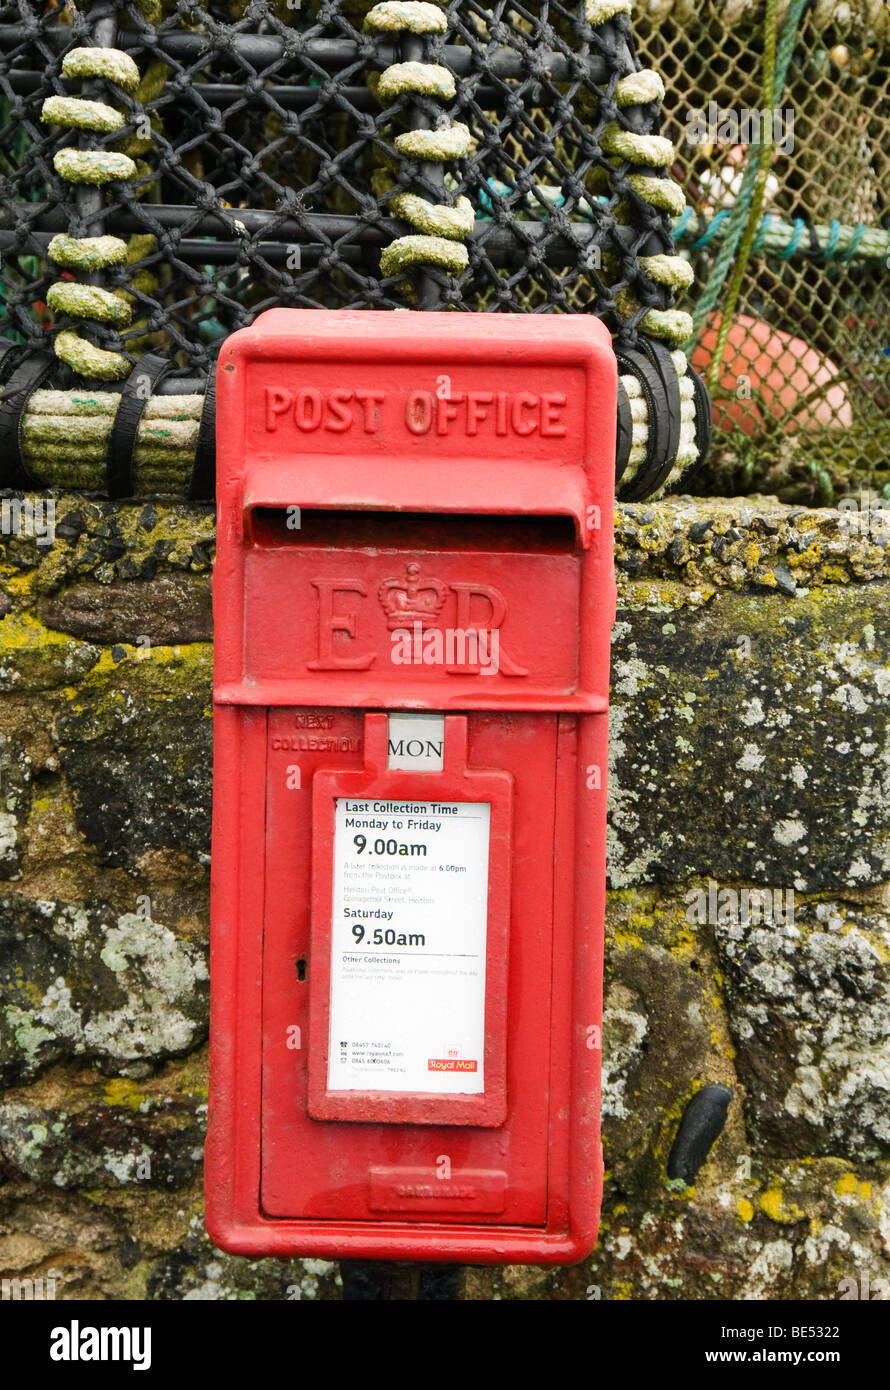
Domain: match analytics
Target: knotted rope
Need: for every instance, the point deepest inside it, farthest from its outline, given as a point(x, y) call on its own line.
point(90, 254)
point(441, 227)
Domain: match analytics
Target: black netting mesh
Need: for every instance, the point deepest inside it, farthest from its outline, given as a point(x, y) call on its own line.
point(259, 143)
point(812, 327)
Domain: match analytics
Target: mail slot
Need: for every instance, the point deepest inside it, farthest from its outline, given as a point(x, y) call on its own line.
point(413, 598)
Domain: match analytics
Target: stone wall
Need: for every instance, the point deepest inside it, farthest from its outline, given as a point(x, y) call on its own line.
point(750, 752)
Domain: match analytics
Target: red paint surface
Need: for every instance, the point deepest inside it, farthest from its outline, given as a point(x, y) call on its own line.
point(499, 488)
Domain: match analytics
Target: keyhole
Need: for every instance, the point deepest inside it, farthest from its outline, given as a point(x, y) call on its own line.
point(301, 970)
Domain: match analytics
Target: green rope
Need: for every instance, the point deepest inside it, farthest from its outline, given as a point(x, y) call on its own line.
point(854, 244)
point(738, 221)
point(762, 233)
point(775, 237)
point(761, 163)
point(796, 237)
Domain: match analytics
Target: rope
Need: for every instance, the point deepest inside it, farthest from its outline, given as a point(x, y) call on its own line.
point(775, 67)
point(870, 18)
point(755, 209)
point(773, 237)
point(71, 432)
point(440, 227)
point(67, 434)
point(672, 325)
point(687, 452)
point(853, 248)
point(90, 254)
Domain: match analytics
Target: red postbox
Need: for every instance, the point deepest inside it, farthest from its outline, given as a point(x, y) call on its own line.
point(413, 599)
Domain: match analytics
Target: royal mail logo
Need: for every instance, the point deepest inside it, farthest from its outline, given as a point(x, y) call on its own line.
point(412, 600)
point(412, 605)
point(451, 1064)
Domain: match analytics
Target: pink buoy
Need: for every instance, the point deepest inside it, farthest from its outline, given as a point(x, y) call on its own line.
point(766, 369)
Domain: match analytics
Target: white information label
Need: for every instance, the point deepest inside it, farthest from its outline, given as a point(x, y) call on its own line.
point(415, 742)
point(408, 944)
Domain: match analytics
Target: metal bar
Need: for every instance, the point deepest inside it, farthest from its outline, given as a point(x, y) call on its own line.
point(503, 245)
point(264, 49)
point(221, 93)
point(291, 97)
point(329, 225)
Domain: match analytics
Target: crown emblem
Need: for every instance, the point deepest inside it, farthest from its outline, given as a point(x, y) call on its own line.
point(411, 599)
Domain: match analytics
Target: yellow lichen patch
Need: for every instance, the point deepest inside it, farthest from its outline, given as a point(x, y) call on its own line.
point(627, 940)
point(196, 653)
point(642, 921)
point(773, 1203)
point(745, 1209)
point(107, 662)
point(18, 584)
point(685, 943)
point(806, 559)
point(23, 632)
point(846, 1185)
point(120, 1091)
point(662, 594)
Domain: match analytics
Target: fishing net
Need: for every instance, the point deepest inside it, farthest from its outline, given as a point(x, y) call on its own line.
point(466, 157)
point(802, 400)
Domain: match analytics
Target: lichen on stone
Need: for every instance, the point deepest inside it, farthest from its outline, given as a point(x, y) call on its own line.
point(122, 991)
point(810, 1009)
